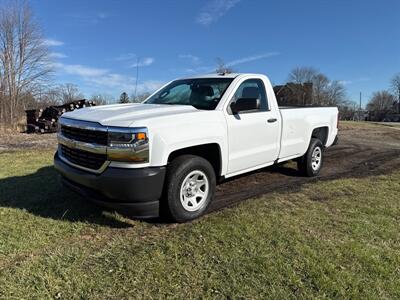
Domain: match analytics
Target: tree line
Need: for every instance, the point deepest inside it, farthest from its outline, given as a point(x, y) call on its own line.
point(384, 105)
point(325, 92)
point(27, 67)
point(124, 98)
point(26, 76)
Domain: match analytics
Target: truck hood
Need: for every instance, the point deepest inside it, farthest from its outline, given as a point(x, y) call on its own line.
point(123, 115)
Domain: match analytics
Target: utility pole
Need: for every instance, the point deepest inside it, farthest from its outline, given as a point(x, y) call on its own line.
point(359, 112)
point(398, 101)
point(137, 75)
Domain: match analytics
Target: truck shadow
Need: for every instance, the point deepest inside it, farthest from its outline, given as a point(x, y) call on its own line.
point(41, 194)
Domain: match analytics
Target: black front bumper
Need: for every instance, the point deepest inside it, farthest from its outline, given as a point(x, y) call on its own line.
point(132, 191)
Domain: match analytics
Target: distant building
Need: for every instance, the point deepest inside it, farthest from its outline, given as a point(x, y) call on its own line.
point(294, 94)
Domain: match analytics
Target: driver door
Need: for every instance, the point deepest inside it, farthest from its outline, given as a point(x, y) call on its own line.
point(253, 135)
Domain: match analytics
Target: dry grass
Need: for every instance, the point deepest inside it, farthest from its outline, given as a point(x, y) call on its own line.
point(330, 239)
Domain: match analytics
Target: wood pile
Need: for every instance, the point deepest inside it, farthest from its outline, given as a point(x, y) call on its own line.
point(45, 120)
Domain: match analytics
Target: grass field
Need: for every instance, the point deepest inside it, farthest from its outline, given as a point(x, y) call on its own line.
point(334, 238)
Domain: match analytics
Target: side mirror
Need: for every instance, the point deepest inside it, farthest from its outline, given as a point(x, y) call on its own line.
point(245, 104)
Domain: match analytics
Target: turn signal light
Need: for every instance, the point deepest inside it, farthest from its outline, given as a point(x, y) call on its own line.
point(140, 136)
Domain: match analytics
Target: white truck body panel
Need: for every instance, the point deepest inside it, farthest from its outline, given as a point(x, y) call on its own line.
point(246, 141)
point(124, 115)
point(298, 125)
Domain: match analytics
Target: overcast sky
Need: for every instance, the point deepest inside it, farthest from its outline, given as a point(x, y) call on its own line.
point(97, 44)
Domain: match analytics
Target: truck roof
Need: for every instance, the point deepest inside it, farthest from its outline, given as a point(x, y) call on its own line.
point(219, 75)
point(215, 75)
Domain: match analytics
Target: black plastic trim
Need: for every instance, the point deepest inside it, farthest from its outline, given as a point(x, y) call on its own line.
point(336, 141)
point(136, 190)
point(141, 210)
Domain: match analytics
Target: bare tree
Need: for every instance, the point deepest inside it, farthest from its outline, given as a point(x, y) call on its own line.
point(325, 91)
point(336, 93)
point(102, 99)
point(302, 75)
point(222, 67)
point(140, 98)
point(381, 104)
point(69, 92)
point(381, 101)
point(395, 86)
point(320, 85)
point(24, 57)
point(348, 110)
point(47, 97)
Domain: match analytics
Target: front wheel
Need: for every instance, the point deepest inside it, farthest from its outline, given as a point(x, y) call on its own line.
point(190, 187)
point(310, 164)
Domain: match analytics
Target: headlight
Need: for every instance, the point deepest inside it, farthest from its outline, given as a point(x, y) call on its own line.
point(128, 145)
point(121, 139)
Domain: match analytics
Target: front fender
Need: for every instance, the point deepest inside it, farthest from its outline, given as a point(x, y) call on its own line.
point(170, 138)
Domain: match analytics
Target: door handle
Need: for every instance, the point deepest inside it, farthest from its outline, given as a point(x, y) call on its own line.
point(272, 120)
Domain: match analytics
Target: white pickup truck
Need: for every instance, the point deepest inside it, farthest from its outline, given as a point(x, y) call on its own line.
point(168, 153)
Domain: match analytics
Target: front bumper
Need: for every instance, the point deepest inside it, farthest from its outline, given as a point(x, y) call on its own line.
point(132, 191)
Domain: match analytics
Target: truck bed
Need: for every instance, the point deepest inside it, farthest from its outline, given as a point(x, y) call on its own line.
point(301, 106)
point(297, 126)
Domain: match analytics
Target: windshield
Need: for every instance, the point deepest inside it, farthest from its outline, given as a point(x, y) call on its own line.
point(202, 93)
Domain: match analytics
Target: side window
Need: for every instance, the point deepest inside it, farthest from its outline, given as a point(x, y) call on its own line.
point(252, 88)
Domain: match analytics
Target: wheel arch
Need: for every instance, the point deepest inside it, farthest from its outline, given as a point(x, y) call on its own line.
point(321, 133)
point(210, 151)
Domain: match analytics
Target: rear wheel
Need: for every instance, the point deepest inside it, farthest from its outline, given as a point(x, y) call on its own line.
point(190, 187)
point(310, 164)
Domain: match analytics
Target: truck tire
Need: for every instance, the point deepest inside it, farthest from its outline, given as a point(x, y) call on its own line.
point(310, 164)
point(190, 187)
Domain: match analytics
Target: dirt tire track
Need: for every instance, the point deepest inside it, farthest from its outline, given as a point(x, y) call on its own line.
point(360, 153)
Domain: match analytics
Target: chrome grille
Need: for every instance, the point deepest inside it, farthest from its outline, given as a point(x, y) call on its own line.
point(82, 158)
point(84, 135)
